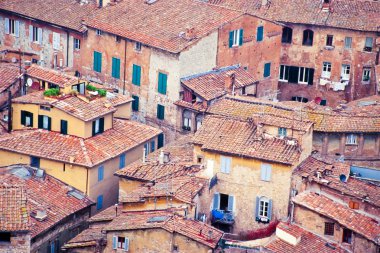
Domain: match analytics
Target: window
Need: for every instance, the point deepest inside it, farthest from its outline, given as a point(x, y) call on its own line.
point(284, 73)
point(26, 119)
point(353, 204)
point(97, 126)
point(329, 40)
point(162, 83)
point(35, 34)
point(347, 235)
point(225, 164)
point(97, 61)
point(287, 35)
point(138, 46)
point(5, 237)
point(99, 202)
point(119, 242)
point(266, 171)
point(44, 122)
point(351, 139)
point(116, 67)
point(307, 39)
point(56, 41)
point(348, 43)
point(100, 173)
point(117, 39)
point(12, 27)
point(136, 74)
point(345, 72)
point(35, 162)
point(260, 33)
point(223, 202)
point(282, 132)
point(122, 161)
point(187, 120)
point(160, 140)
point(160, 112)
point(135, 103)
point(263, 209)
point(199, 119)
point(80, 87)
point(152, 146)
point(146, 148)
point(52, 247)
point(329, 228)
point(236, 38)
point(304, 75)
point(267, 69)
point(98, 32)
point(76, 44)
point(366, 75)
point(63, 126)
point(326, 70)
point(300, 99)
point(45, 108)
point(368, 44)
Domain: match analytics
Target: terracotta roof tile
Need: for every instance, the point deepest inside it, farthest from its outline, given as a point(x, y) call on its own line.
point(64, 13)
point(124, 136)
point(9, 74)
point(86, 238)
point(239, 137)
point(163, 23)
point(197, 106)
point(52, 76)
point(355, 221)
point(211, 84)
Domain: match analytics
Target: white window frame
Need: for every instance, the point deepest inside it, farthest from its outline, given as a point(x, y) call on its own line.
point(283, 73)
point(282, 131)
point(138, 46)
point(225, 164)
point(367, 44)
point(326, 70)
point(76, 44)
point(264, 207)
point(304, 76)
point(235, 38)
point(366, 72)
point(56, 41)
point(346, 44)
point(352, 139)
point(266, 172)
point(28, 121)
point(97, 126)
point(345, 72)
point(45, 122)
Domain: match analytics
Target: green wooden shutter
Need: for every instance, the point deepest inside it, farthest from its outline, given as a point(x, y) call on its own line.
point(101, 125)
point(136, 75)
point(267, 69)
point(93, 127)
point(135, 103)
point(116, 67)
point(63, 127)
point(311, 77)
point(49, 123)
point(260, 33)
point(160, 141)
point(162, 83)
point(231, 39)
point(160, 112)
point(23, 116)
point(97, 61)
point(31, 118)
point(40, 121)
point(241, 37)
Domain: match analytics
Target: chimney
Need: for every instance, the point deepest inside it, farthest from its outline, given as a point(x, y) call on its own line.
point(283, 233)
point(161, 157)
point(144, 157)
point(41, 214)
point(265, 2)
point(326, 5)
point(229, 83)
point(189, 34)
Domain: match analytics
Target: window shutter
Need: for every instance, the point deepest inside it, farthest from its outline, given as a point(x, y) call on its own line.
point(262, 172)
point(40, 121)
point(31, 33)
point(270, 210)
point(101, 125)
point(230, 203)
point(6, 25)
point(260, 31)
point(139, 75)
point(100, 173)
point(231, 39)
point(99, 204)
point(267, 69)
point(311, 77)
point(228, 164)
point(222, 164)
point(241, 37)
point(136, 75)
point(31, 119)
point(23, 116)
point(93, 128)
point(49, 123)
point(17, 28)
point(160, 140)
point(152, 146)
point(162, 83)
point(63, 127)
point(114, 242)
point(216, 201)
point(126, 244)
point(257, 207)
point(122, 161)
point(39, 35)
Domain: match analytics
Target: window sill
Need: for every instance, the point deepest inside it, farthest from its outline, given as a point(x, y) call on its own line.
point(329, 47)
point(365, 82)
point(351, 144)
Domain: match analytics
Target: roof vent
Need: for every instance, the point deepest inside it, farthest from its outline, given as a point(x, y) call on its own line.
point(40, 173)
point(157, 219)
point(343, 178)
point(39, 214)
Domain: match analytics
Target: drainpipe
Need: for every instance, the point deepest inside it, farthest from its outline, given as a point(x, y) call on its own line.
point(9, 110)
point(292, 212)
point(125, 64)
point(87, 181)
point(67, 48)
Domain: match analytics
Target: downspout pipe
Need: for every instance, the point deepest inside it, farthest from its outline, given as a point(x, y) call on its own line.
point(125, 64)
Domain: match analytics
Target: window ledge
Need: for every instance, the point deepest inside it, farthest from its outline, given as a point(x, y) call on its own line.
point(329, 47)
point(351, 144)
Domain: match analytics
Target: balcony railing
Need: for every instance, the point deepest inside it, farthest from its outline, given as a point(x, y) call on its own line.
point(224, 217)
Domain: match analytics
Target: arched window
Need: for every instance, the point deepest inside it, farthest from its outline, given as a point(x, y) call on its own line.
point(199, 120)
point(287, 34)
point(186, 120)
point(307, 37)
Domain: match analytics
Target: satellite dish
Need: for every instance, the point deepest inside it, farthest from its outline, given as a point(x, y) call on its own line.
point(29, 82)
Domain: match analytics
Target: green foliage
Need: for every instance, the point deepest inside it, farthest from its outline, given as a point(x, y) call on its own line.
point(90, 87)
point(53, 92)
point(101, 92)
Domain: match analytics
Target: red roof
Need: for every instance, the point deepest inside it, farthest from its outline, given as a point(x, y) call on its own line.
point(9, 74)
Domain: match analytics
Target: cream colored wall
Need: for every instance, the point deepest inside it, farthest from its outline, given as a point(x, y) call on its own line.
point(124, 111)
point(108, 123)
point(245, 184)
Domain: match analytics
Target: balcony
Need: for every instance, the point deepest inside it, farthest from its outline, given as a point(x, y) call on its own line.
point(223, 217)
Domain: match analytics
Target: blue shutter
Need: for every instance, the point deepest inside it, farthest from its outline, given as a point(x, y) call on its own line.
point(230, 203)
point(100, 173)
point(114, 242)
point(7, 26)
point(260, 32)
point(152, 146)
point(122, 161)
point(270, 210)
point(257, 207)
point(231, 39)
point(216, 201)
point(126, 244)
point(241, 37)
point(99, 202)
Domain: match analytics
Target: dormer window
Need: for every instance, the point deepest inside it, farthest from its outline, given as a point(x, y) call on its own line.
point(97, 126)
point(44, 122)
point(282, 132)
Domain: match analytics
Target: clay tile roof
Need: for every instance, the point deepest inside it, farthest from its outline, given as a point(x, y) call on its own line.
point(355, 221)
point(89, 152)
point(309, 242)
point(86, 238)
point(363, 190)
point(48, 194)
point(14, 212)
point(211, 84)
point(162, 24)
point(238, 137)
point(197, 106)
point(9, 74)
point(355, 15)
point(64, 13)
point(51, 76)
point(196, 230)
